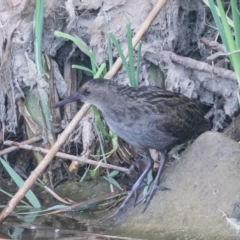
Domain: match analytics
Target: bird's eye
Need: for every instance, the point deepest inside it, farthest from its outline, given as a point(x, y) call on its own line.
point(87, 91)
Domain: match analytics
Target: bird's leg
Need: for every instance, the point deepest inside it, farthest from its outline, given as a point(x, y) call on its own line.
point(137, 184)
point(155, 185)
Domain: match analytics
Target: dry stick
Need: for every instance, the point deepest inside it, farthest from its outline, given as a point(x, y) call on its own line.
point(65, 156)
point(202, 66)
point(213, 44)
point(63, 137)
point(11, 149)
point(194, 64)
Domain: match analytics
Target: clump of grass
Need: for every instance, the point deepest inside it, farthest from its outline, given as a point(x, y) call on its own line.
point(128, 64)
point(229, 31)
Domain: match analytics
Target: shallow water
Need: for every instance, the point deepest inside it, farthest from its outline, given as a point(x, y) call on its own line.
point(66, 226)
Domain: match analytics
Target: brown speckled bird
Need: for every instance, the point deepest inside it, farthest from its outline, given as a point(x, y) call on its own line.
point(146, 117)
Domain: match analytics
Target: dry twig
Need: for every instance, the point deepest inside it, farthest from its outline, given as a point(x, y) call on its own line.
point(66, 156)
point(11, 149)
point(202, 66)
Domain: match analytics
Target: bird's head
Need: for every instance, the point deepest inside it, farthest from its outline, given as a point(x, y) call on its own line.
point(93, 92)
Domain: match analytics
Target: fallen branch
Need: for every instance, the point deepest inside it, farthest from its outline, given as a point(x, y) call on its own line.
point(190, 64)
point(11, 149)
point(202, 66)
point(66, 156)
point(213, 44)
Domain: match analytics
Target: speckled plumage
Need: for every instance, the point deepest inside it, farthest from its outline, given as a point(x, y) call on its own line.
point(145, 117)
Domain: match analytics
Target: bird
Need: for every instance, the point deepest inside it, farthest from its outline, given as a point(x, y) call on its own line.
point(146, 117)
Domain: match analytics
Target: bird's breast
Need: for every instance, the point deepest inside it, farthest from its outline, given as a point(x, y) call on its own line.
point(138, 130)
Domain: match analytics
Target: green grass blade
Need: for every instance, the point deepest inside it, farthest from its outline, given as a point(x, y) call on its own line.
point(218, 23)
point(100, 123)
point(38, 29)
point(79, 44)
point(236, 22)
point(109, 50)
point(149, 181)
point(18, 180)
point(82, 46)
point(84, 175)
point(113, 174)
point(100, 71)
point(93, 62)
point(132, 80)
point(100, 138)
point(139, 60)
point(231, 44)
point(112, 181)
point(109, 43)
point(120, 52)
point(38, 32)
point(83, 68)
point(114, 141)
point(10, 195)
point(230, 22)
point(56, 207)
point(227, 31)
point(108, 178)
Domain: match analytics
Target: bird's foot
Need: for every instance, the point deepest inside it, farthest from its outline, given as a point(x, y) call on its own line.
point(150, 195)
point(133, 193)
point(136, 186)
point(155, 185)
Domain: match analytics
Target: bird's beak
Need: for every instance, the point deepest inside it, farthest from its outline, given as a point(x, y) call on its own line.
point(72, 98)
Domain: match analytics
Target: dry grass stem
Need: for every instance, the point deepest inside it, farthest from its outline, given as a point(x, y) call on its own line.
point(66, 156)
point(13, 148)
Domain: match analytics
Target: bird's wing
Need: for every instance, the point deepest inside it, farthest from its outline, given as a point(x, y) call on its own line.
point(177, 114)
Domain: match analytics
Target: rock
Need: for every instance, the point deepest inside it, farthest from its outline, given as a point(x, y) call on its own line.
point(85, 190)
point(204, 182)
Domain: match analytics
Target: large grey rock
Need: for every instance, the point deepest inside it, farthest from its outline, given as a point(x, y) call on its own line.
point(204, 181)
